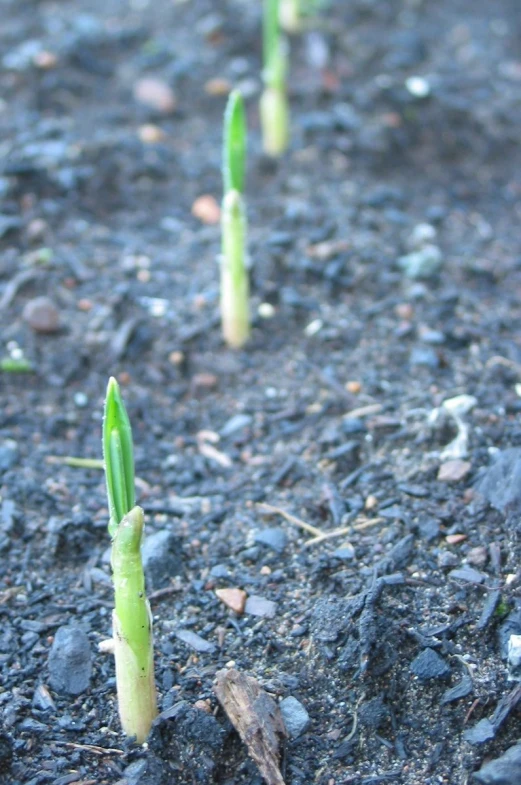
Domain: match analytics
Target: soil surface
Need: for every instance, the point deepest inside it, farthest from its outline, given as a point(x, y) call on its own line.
point(385, 251)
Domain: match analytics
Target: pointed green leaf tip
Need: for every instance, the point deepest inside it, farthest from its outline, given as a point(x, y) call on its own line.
point(234, 153)
point(118, 454)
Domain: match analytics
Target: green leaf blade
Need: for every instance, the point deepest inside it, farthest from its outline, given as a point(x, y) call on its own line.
point(234, 147)
point(118, 454)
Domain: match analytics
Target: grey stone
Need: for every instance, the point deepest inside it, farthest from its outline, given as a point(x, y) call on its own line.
point(423, 355)
point(345, 553)
point(161, 555)
point(501, 482)
point(8, 454)
point(235, 424)
point(429, 665)
point(481, 732)
point(505, 770)
point(70, 661)
point(147, 771)
point(194, 640)
point(468, 574)
point(460, 690)
point(260, 606)
point(41, 315)
point(295, 716)
point(273, 538)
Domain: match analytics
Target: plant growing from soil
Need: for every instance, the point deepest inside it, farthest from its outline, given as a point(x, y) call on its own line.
point(274, 112)
point(293, 14)
point(131, 618)
point(235, 314)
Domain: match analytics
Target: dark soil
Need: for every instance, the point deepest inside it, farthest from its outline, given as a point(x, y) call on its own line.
point(327, 415)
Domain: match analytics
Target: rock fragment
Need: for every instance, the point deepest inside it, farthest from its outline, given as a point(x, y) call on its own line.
point(505, 770)
point(70, 661)
point(260, 606)
point(234, 599)
point(273, 538)
point(161, 558)
point(295, 716)
point(454, 471)
point(195, 641)
point(42, 315)
point(429, 665)
point(155, 94)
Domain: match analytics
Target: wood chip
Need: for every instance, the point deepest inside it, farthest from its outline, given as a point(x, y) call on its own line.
point(256, 718)
point(234, 599)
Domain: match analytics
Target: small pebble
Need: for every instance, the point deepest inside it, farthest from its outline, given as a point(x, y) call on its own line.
point(421, 235)
point(70, 661)
point(345, 552)
point(36, 230)
point(313, 327)
point(295, 716)
point(418, 86)
point(42, 699)
point(273, 538)
point(217, 86)
point(155, 94)
point(266, 311)
point(151, 134)
point(161, 555)
point(195, 641)
point(429, 665)
point(468, 574)
point(505, 770)
point(477, 556)
point(235, 423)
point(454, 471)
point(205, 380)
point(260, 606)
point(80, 400)
point(421, 355)
point(206, 210)
point(41, 315)
point(235, 599)
point(455, 539)
point(424, 263)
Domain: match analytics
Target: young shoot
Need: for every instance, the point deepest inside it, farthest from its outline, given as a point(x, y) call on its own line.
point(274, 112)
point(131, 618)
point(294, 14)
point(235, 313)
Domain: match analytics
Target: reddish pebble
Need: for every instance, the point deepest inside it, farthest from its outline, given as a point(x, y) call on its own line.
point(235, 599)
point(206, 209)
point(155, 94)
point(455, 539)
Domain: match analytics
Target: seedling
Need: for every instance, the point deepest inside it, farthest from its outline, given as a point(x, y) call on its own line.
point(294, 14)
point(235, 313)
point(131, 618)
point(274, 112)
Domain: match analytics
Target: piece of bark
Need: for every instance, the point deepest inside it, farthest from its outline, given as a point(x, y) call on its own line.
point(256, 718)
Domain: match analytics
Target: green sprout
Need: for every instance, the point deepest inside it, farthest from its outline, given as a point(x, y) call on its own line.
point(235, 313)
point(274, 112)
point(295, 14)
point(131, 618)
